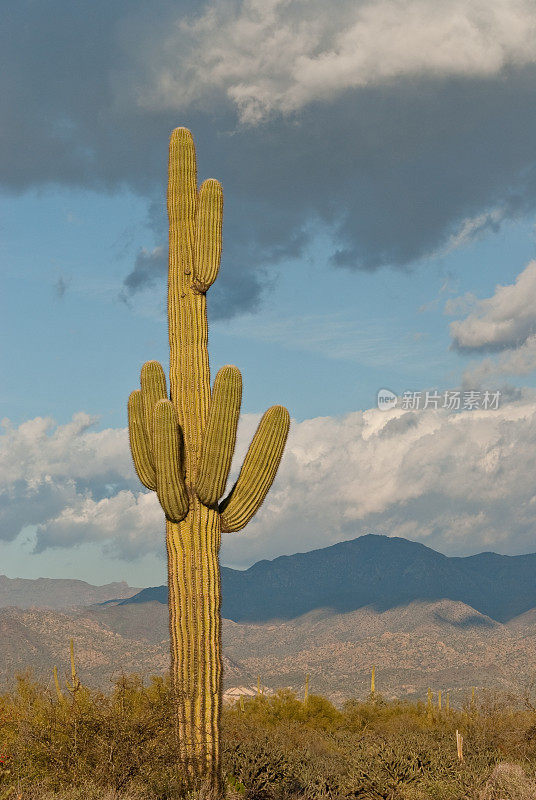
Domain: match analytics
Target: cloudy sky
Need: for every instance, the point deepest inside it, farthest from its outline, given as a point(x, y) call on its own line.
point(378, 160)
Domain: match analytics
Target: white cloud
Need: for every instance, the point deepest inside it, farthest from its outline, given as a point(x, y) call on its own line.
point(459, 482)
point(518, 361)
point(50, 473)
point(39, 448)
point(130, 523)
point(276, 56)
point(505, 320)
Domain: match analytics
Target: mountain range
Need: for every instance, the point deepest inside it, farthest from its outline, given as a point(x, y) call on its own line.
point(423, 619)
point(378, 571)
point(58, 592)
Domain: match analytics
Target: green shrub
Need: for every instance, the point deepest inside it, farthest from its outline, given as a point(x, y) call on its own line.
point(122, 745)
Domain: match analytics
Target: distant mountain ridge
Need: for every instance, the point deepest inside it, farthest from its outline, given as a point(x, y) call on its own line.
point(57, 593)
point(372, 570)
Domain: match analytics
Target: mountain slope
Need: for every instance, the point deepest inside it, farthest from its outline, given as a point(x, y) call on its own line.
point(442, 644)
point(381, 571)
point(58, 592)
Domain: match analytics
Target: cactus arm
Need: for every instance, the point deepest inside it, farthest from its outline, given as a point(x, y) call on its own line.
point(220, 436)
point(141, 423)
point(139, 442)
point(258, 471)
point(167, 439)
point(153, 389)
point(208, 228)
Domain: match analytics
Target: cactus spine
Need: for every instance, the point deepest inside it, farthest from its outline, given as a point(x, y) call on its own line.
point(182, 448)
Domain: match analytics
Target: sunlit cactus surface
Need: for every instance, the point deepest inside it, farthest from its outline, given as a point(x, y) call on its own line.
point(182, 445)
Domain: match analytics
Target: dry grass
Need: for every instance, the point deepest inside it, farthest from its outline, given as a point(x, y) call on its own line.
point(123, 746)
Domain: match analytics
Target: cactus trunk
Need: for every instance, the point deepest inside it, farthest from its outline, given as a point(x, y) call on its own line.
point(195, 636)
point(193, 543)
point(182, 448)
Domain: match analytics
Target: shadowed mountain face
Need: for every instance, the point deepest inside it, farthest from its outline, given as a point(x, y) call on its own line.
point(372, 570)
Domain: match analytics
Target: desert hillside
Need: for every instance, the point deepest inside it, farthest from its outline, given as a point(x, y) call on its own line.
point(442, 644)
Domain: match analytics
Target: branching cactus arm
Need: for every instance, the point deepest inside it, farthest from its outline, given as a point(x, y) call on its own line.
point(220, 436)
point(258, 471)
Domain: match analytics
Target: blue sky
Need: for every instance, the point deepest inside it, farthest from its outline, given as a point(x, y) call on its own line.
point(376, 201)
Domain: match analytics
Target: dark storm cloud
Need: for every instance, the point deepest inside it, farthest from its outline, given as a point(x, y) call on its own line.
point(148, 267)
point(392, 170)
point(253, 239)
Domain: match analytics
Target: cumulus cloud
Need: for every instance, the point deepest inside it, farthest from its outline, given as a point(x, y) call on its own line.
point(504, 323)
point(505, 320)
point(128, 524)
point(51, 473)
point(458, 481)
point(276, 56)
point(517, 361)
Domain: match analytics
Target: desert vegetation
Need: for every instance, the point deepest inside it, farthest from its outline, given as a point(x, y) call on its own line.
point(124, 745)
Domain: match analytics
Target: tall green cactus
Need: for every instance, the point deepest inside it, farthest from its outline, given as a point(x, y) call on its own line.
point(182, 448)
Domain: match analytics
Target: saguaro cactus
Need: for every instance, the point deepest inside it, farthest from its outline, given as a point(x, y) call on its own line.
point(182, 448)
